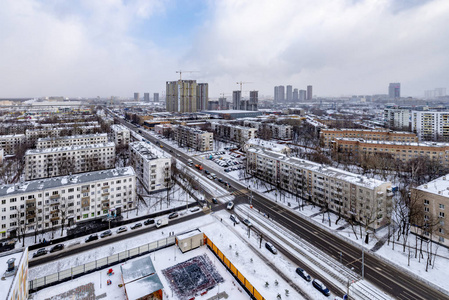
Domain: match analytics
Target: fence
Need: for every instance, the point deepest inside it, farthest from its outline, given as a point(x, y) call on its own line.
point(101, 263)
point(239, 276)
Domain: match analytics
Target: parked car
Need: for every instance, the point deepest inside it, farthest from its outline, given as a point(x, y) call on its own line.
point(206, 172)
point(57, 247)
point(173, 215)
point(106, 233)
point(91, 237)
point(271, 248)
point(137, 225)
point(220, 180)
point(122, 229)
point(40, 252)
point(247, 222)
point(148, 222)
point(321, 287)
point(230, 205)
point(194, 209)
point(234, 219)
point(214, 200)
point(303, 274)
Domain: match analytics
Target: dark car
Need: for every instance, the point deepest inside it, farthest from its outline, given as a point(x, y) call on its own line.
point(220, 180)
point(303, 274)
point(173, 215)
point(321, 287)
point(57, 247)
point(92, 237)
point(106, 233)
point(206, 172)
point(148, 222)
point(271, 248)
point(214, 200)
point(40, 252)
point(137, 225)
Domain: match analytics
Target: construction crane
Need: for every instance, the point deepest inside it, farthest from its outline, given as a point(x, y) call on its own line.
point(241, 84)
point(180, 73)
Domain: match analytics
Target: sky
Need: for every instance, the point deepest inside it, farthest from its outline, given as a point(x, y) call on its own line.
point(90, 48)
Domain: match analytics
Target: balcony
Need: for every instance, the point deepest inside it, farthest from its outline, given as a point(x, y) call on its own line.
point(54, 219)
point(31, 201)
point(55, 211)
point(31, 216)
point(54, 197)
point(54, 203)
point(105, 201)
point(105, 194)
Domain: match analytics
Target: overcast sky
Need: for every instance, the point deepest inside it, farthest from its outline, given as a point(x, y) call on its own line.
point(91, 48)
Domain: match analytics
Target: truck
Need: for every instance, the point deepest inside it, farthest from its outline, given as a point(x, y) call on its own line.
point(199, 167)
point(161, 222)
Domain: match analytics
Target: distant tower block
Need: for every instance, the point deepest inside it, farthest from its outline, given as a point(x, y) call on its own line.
point(156, 97)
point(309, 92)
point(136, 96)
point(146, 97)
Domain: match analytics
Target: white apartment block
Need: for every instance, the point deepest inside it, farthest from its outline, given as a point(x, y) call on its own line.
point(238, 134)
point(44, 203)
point(152, 166)
point(432, 199)
point(366, 200)
point(9, 143)
point(431, 125)
point(397, 117)
point(2, 154)
point(74, 140)
point(33, 134)
point(121, 135)
point(49, 162)
point(277, 131)
point(196, 139)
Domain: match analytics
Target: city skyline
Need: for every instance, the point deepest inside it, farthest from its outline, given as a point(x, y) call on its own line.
point(114, 48)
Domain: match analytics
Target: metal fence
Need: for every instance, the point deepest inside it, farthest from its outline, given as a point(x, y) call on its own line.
point(101, 263)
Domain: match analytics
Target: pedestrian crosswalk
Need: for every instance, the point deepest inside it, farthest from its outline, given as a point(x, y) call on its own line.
point(240, 192)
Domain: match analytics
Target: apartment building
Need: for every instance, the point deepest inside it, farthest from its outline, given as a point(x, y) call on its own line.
point(431, 125)
point(396, 117)
point(432, 199)
point(359, 148)
point(152, 166)
point(121, 135)
point(327, 135)
point(238, 134)
point(45, 203)
point(49, 162)
point(75, 140)
point(367, 200)
point(10, 143)
point(196, 139)
point(276, 131)
point(33, 134)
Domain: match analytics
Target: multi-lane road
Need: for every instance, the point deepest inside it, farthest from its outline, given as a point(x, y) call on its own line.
point(376, 270)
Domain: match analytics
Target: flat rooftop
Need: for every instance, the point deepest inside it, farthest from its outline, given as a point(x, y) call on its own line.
point(69, 148)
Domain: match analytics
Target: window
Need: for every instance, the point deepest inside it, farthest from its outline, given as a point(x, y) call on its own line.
point(426, 209)
point(426, 202)
point(441, 214)
point(441, 206)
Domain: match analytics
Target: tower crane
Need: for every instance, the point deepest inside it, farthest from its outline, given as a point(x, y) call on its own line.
point(180, 73)
point(242, 83)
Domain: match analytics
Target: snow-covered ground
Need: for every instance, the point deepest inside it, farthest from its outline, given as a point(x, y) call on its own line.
point(232, 245)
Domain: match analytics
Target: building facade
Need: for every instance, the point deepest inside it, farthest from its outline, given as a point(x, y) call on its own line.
point(33, 134)
point(394, 90)
point(10, 143)
point(46, 203)
point(431, 219)
point(237, 134)
point(365, 200)
point(196, 139)
point(271, 130)
point(289, 94)
point(181, 95)
point(404, 152)
point(202, 96)
point(50, 162)
point(121, 135)
point(397, 117)
point(74, 140)
point(327, 135)
point(151, 165)
point(309, 92)
point(430, 125)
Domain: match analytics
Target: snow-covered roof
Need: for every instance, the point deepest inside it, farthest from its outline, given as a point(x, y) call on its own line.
point(143, 287)
point(369, 130)
point(412, 144)
point(269, 145)
point(136, 269)
point(72, 137)
point(118, 127)
point(318, 168)
point(69, 148)
point(56, 182)
point(439, 186)
point(188, 234)
point(148, 151)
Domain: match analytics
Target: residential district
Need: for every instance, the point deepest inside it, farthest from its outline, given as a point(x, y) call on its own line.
point(183, 196)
